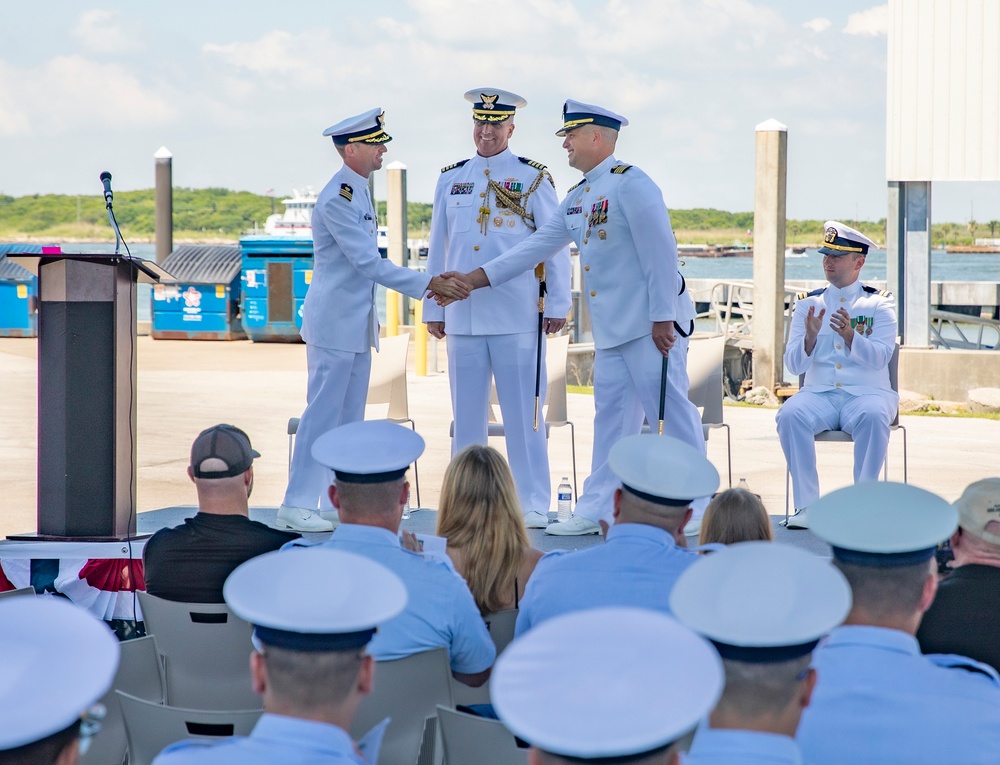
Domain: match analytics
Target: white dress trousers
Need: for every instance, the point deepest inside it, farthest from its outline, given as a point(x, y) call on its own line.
point(846, 388)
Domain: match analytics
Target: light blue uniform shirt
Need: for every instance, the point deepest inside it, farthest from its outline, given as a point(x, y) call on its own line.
point(717, 746)
point(440, 610)
point(878, 700)
point(636, 566)
point(274, 739)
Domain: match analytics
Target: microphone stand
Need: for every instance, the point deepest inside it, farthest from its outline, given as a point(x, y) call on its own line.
point(114, 224)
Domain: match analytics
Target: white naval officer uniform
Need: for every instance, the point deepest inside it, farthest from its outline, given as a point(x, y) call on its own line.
point(494, 333)
point(846, 388)
point(340, 323)
point(628, 252)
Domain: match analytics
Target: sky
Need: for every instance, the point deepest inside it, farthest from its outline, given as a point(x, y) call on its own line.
point(240, 92)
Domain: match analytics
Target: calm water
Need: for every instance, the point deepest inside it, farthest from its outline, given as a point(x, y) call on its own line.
point(965, 267)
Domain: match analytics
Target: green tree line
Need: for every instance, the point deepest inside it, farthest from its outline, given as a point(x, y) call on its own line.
point(226, 213)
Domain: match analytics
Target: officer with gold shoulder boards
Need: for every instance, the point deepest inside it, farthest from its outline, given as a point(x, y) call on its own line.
point(339, 320)
point(636, 296)
point(483, 206)
point(842, 338)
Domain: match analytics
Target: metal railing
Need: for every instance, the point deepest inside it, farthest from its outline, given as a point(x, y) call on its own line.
point(948, 330)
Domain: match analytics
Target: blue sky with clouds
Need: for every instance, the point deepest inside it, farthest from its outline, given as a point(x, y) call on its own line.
point(240, 92)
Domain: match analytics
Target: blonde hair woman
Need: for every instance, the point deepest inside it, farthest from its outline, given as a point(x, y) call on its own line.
point(480, 517)
point(735, 515)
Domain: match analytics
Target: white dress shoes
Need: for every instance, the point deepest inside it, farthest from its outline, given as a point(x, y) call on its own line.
point(798, 521)
point(535, 520)
point(574, 527)
point(301, 519)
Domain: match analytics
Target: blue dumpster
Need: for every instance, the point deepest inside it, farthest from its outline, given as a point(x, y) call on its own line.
point(204, 302)
point(276, 276)
point(18, 294)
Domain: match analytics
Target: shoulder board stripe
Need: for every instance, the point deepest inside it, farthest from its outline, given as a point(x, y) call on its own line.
point(346, 192)
point(452, 167)
point(873, 291)
point(619, 169)
point(814, 293)
point(576, 185)
point(532, 163)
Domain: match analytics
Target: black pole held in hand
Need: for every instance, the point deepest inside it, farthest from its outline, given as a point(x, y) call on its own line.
point(540, 274)
point(663, 392)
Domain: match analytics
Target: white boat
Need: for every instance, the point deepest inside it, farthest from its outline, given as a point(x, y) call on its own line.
point(795, 252)
point(297, 219)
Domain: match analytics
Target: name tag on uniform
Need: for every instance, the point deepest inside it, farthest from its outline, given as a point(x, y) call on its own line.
point(461, 188)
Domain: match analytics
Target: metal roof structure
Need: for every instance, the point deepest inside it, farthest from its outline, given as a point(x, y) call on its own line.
point(204, 263)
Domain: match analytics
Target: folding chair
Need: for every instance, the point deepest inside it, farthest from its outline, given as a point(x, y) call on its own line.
point(407, 690)
point(140, 675)
point(472, 740)
point(704, 368)
point(205, 650)
point(501, 628)
point(386, 385)
point(555, 409)
point(151, 727)
point(840, 436)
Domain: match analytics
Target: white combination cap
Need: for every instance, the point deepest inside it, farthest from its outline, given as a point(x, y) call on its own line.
point(577, 114)
point(978, 507)
point(369, 451)
point(348, 597)
point(56, 661)
point(729, 597)
point(361, 128)
point(493, 104)
point(654, 682)
point(883, 524)
point(840, 239)
point(662, 469)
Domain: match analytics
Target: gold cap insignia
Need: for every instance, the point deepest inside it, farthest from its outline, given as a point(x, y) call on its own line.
point(831, 235)
point(489, 101)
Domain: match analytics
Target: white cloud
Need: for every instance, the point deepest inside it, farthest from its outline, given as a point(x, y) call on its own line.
point(66, 93)
point(874, 22)
point(818, 25)
point(102, 31)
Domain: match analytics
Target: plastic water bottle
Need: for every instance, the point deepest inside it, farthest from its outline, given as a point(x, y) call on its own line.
point(406, 506)
point(743, 485)
point(564, 500)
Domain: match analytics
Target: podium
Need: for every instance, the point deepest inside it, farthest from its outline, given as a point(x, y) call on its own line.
point(87, 393)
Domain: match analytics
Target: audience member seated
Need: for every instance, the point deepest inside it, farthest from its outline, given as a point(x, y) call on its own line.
point(878, 700)
point(965, 615)
point(370, 459)
point(640, 560)
point(56, 661)
point(481, 518)
point(647, 682)
point(735, 515)
point(189, 563)
point(309, 662)
point(765, 636)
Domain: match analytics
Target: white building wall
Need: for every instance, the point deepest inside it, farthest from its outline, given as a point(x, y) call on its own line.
point(943, 111)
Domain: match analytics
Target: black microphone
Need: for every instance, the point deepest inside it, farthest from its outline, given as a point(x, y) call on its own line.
point(106, 180)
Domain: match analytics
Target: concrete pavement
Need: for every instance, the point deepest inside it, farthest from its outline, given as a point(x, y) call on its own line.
point(185, 386)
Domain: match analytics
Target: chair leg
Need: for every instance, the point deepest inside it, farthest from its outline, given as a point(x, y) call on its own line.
point(416, 472)
point(572, 441)
point(905, 476)
point(788, 478)
point(729, 454)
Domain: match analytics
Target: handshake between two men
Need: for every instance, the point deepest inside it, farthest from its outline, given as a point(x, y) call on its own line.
point(450, 286)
